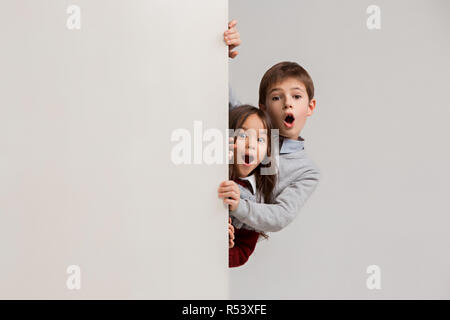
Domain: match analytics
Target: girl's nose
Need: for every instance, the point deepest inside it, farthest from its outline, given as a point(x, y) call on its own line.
point(249, 145)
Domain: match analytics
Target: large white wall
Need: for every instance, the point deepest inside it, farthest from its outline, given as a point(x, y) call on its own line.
point(86, 178)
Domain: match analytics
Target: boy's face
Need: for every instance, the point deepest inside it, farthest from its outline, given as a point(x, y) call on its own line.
point(288, 105)
point(251, 145)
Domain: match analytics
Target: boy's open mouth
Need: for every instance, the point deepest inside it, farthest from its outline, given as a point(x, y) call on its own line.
point(248, 159)
point(289, 121)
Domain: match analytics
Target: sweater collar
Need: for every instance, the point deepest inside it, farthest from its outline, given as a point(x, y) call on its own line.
point(252, 180)
point(290, 145)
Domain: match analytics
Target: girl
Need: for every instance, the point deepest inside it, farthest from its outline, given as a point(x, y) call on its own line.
point(252, 145)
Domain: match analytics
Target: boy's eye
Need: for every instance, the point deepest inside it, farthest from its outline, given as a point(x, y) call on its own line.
point(297, 96)
point(276, 98)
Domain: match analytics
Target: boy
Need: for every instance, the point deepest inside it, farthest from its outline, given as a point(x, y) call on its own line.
point(286, 93)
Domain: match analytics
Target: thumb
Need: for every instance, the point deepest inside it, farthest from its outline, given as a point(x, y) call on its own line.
point(230, 155)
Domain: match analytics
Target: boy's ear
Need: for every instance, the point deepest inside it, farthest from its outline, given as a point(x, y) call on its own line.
point(311, 107)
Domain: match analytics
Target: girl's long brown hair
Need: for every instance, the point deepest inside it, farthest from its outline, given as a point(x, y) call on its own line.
point(265, 184)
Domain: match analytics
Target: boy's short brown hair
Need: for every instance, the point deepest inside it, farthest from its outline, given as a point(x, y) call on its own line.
point(281, 71)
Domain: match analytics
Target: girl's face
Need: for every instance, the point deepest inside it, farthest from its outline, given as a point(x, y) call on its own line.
point(251, 145)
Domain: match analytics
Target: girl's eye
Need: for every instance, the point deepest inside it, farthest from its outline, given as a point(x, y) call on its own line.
point(242, 135)
point(276, 98)
point(297, 96)
point(261, 140)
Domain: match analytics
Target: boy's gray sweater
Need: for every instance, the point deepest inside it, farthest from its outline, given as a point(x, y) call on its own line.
point(245, 194)
point(297, 179)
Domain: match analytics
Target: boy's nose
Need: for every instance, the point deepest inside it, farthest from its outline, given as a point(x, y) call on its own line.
point(288, 104)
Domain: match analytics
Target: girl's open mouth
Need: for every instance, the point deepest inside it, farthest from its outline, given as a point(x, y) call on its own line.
point(289, 121)
point(248, 159)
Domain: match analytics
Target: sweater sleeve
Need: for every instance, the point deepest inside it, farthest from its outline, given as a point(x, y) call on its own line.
point(244, 245)
point(286, 206)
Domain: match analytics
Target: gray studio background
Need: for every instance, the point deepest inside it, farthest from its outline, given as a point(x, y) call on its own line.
point(380, 136)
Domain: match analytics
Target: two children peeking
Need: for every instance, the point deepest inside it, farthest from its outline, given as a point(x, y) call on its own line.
point(261, 199)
